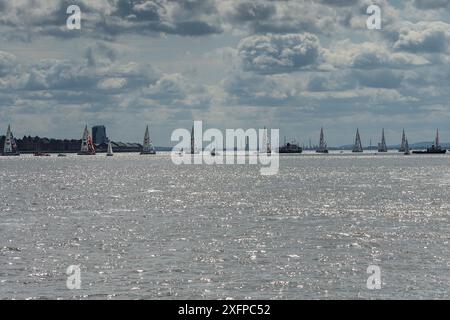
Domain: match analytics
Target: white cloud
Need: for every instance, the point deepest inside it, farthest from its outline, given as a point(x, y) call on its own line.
point(274, 53)
point(431, 37)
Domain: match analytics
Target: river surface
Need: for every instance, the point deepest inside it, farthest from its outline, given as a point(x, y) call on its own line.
point(140, 227)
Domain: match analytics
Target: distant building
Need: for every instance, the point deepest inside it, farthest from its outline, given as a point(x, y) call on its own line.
point(99, 134)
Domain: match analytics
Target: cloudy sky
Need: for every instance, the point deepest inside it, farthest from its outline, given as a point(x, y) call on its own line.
point(293, 65)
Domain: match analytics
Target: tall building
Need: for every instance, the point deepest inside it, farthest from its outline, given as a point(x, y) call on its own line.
point(99, 134)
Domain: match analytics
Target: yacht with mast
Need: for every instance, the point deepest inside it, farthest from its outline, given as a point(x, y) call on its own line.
point(147, 146)
point(109, 153)
point(10, 147)
point(382, 146)
point(265, 143)
point(358, 145)
point(407, 152)
point(434, 149)
point(402, 145)
point(192, 141)
point(322, 143)
point(87, 146)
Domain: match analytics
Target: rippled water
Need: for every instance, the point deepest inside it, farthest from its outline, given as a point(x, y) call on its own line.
point(141, 227)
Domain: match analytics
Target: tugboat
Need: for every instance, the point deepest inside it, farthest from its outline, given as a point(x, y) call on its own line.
point(322, 144)
point(435, 148)
point(10, 146)
point(358, 145)
point(87, 146)
point(147, 147)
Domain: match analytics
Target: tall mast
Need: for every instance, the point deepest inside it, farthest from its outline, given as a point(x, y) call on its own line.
point(437, 138)
point(406, 146)
point(264, 142)
point(402, 145)
point(322, 144)
point(84, 140)
point(7, 148)
point(382, 146)
point(146, 143)
point(147, 147)
point(192, 141)
point(358, 145)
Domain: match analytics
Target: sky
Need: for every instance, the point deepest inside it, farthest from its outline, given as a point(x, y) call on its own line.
point(292, 65)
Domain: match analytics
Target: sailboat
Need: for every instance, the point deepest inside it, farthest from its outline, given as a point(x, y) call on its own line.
point(10, 146)
point(87, 146)
point(147, 147)
point(213, 152)
point(109, 153)
point(358, 145)
point(265, 143)
point(407, 152)
point(435, 148)
point(322, 144)
point(382, 146)
point(192, 141)
point(402, 145)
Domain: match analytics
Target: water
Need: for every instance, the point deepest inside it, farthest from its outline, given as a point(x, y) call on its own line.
point(141, 227)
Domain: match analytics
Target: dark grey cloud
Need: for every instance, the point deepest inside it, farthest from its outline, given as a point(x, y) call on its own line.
point(99, 82)
point(105, 19)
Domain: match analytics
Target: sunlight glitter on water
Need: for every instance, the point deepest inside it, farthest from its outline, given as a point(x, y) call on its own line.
point(224, 231)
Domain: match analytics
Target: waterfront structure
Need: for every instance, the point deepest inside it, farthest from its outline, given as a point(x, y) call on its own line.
point(147, 146)
point(87, 145)
point(10, 145)
point(382, 145)
point(99, 135)
point(357, 147)
point(322, 143)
